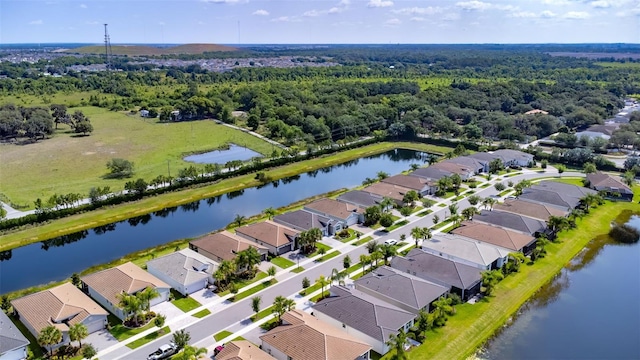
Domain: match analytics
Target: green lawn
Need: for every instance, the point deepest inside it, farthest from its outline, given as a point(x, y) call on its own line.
point(202, 313)
point(572, 181)
point(352, 235)
point(424, 213)
point(397, 225)
point(185, 304)
point(441, 224)
point(329, 255)
point(472, 325)
point(222, 334)
point(318, 247)
point(297, 269)
point(148, 338)
point(122, 333)
point(310, 289)
point(281, 262)
point(363, 241)
point(265, 284)
point(242, 283)
point(442, 205)
point(262, 314)
point(486, 185)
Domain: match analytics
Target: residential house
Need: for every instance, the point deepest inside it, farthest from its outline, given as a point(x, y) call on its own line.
point(342, 214)
point(485, 158)
point(242, 350)
point(186, 271)
point(13, 345)
point(363, 316)
point(534, 210)
point(536, 112)
point(403, 290)
point(224, 245)
point(394, 192)
point(421, 185)
point(607, 129)
point(302, 220)
point(497, 235)
point(463, 171)
point(467, 162)
point(523, 224)
point(612, 186)
point(360, 198)
point(463, 279)
point(106, 286)
point(592, 135)
point(466, 251)
point(514, 157)
point(62, 307)
point(565, 196)
point(277, 238)
point(305, 337)
point(431, 173)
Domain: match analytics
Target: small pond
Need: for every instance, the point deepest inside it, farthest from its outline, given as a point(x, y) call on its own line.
point(234, 152)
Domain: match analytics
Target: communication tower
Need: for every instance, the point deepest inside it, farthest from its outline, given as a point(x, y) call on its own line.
point(107, 47)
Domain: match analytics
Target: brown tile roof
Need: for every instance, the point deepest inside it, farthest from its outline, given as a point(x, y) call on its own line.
point(308, 338)
point(334, 208)
point(411, 182)
point(453, 167)
point(224, 244)
point(602, 181)
point(242, 350)
point(127, 278)
point(530, 209)
point(494, 235)
point(269, 232)
point(536, 111)
point(394, 192)
point(51, 307)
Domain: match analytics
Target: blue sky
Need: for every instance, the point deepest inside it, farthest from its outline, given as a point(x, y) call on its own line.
point(321, 21)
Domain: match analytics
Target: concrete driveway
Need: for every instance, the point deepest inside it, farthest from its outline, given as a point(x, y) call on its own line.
point(101, 340)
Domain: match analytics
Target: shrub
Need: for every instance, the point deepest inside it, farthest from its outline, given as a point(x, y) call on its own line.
point(499, 186)
point(624, 233)
point(159, 321)
point(305, 282)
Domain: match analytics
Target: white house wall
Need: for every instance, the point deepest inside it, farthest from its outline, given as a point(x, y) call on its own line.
point(95, 323)
point(455, 258)
point(274, 351)
point(113, 308)
point(17, 354)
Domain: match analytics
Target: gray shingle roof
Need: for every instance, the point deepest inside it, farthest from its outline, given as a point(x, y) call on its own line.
point(402, 287)
point(602, 181)
point(436, 269)
point(359, 198)
point(513, 221)
point(509, 155)
point(185, 267)
point(467, 161)
point(565, 196)
point(302, 220)
point(465, 248)
point(364, 313)
point(10, 337)
point(431, 173)
point(484, 157)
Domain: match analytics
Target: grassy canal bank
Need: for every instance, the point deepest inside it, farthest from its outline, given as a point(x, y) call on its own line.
point(144, 206)
point(473, 325)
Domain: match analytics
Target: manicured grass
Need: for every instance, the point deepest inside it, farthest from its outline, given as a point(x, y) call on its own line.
point(329, 255)
point(122, 333)
point(281, 262)
point(112, 214)
point(474, 324)
point(397, 225)
point(262, 314)
point(441, 224)
point(186, 304)
point(320, 296)
point(363, 241)
point(352, 235)
point(318, 247)
point(310, 289)
point(425, 213)
point(505, 192)
point(442, 205)
point(222, 334)
point(239, 338)
point(242, 283)
point(253, 290)
point(202, 313)
point(353, 268)
point(51, 166)
point(572, 181)
point(148, 338)
point(297, 269)
point(486, 185)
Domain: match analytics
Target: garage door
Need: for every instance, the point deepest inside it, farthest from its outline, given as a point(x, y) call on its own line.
point(95, 326)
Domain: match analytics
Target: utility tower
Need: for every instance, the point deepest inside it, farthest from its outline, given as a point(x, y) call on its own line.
point(107, 48)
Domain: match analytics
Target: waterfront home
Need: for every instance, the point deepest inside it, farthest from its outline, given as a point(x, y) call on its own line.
point(466, 251)
point(431, 173)
point(463, 280)
point(421, 185)
point(497, 235)
point(363, 316)
point(612, 186)
point(13, 344)
point(61, 306)
point(516, 222)
point(403, 290)
point(514, 157)
point(342, 214)
point(531, 209)
point(393, 192)
point(106, 286)
point(277, 238)
point(305, 337)
point(224, 245)
point(465, 172)
point(360, 198)
point(242, 350)
point(302, 220)
point(186, 271)
point(472, 166)
point(564, 196)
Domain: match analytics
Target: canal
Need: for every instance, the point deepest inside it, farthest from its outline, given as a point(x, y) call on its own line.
point(58, 258)
point(589, 311)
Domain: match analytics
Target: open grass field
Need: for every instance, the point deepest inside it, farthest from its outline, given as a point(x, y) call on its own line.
point(67, 163)
point(473, 325)
point(151, 50)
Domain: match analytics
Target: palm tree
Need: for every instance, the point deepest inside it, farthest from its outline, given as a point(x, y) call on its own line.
point(455, 219)
point(255, 304)
point(468, 213)
point(397, 342)
point(77, 332)
point(426, 233)
point(281, 305)
point(239, 220)
point(488, 203)
point(49, 336)
point(190, 353)
point(388, 251)
point(435, 219)
point(589, 200)
point(312, 236)
point(372, 246)
point(386, 203)
point(382, 175)
point(146, 295)
point(270, 212)
point(323, 281)
point(248, 258)
point(490, 279)
point(346, 261)
point(557, 223)
point(441, 309)
point(130, 305)
point(453, 209)
point(629, 177)
point(514, 259)
point(227, 269)
point(181, 338)
point(416, 234)
point(364, 259)
point(415, 167)
point(375, 256)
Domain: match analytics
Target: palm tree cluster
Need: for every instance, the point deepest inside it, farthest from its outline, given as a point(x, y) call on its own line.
point(281, 305)
point(307, 240)
point(137, 306)
point(244, 263)
point(423, 233)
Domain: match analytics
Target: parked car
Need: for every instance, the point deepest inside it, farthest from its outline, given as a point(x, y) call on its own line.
point(164, 352)
point(390, 242)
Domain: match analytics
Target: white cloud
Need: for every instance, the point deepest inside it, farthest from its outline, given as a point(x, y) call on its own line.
point(379, 3)
point(286, 19)
point(335, 10)
point(451, 17)
point(260, 12)
point(548, 14)
point(161, 23)
point(311, 13)
point(524, 14)
point(576, 15)
point(601, 4)
point(84, 6)
point(473, 5)
point(556, 2)
point(36, 22)
point(393, 22)
point(344, 3)
point(417, 18)
point(419, 11)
